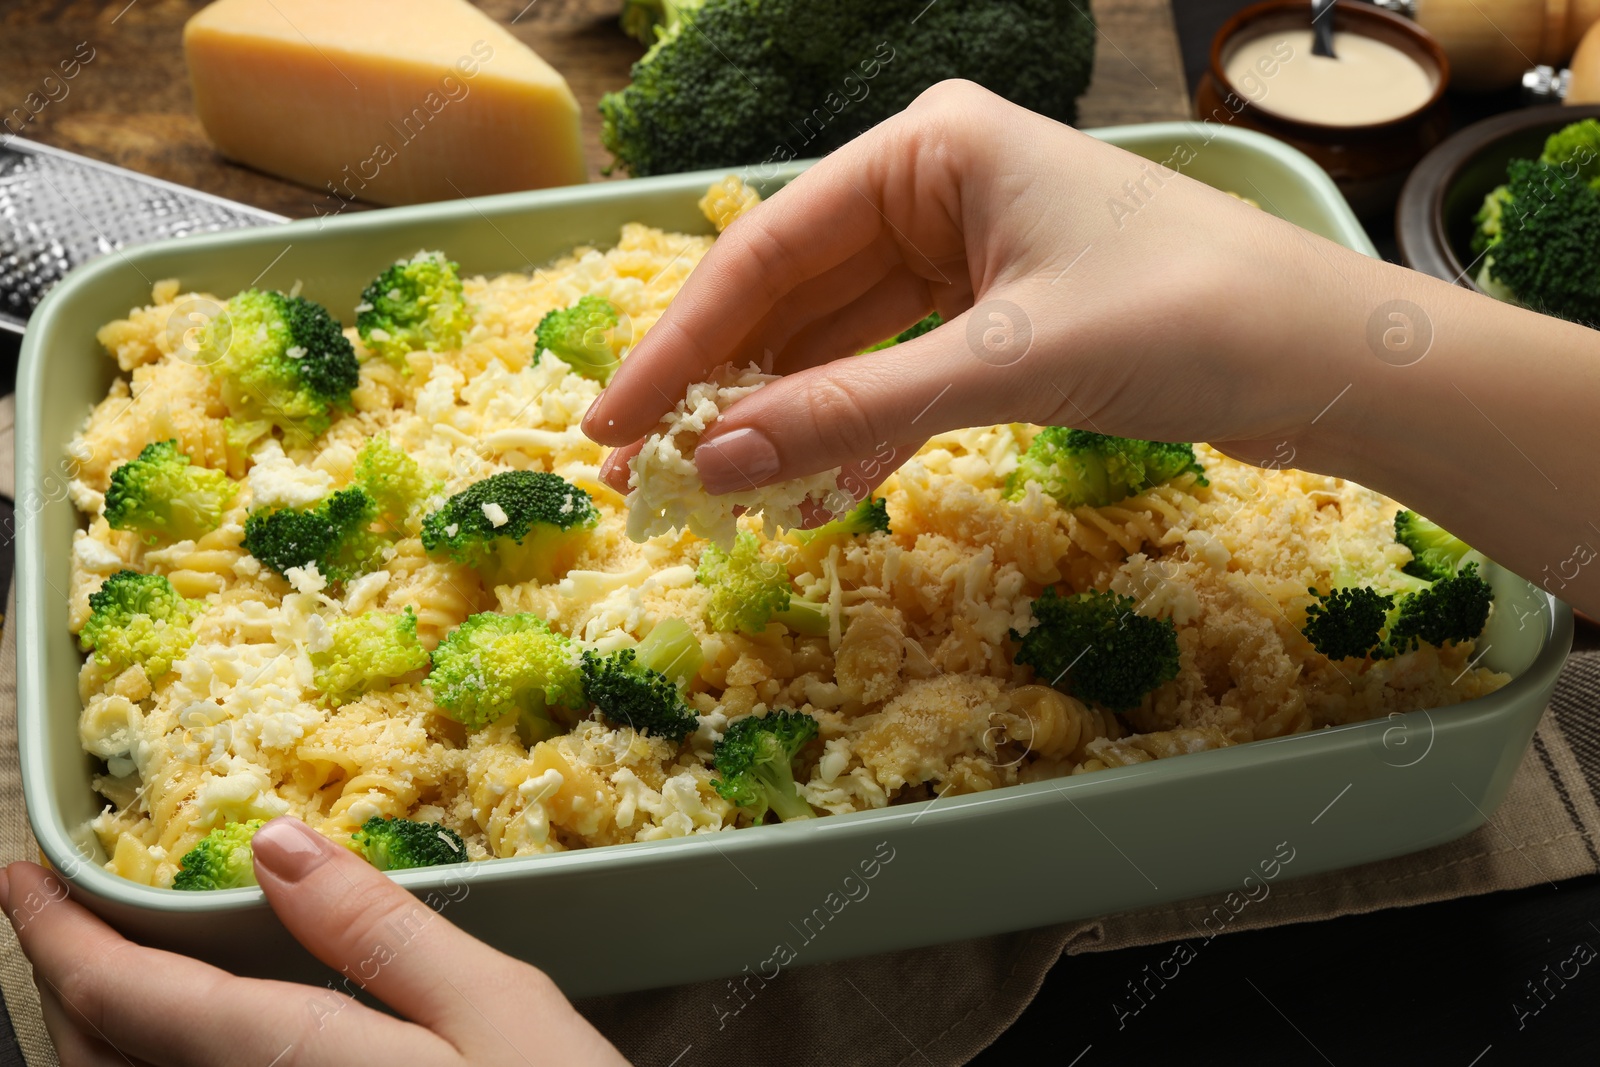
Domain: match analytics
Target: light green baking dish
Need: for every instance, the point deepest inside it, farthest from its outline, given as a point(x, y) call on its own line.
point(800, 893)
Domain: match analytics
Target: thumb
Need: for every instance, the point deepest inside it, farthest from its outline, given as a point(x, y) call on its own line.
point(382, 939)
point(974, 370)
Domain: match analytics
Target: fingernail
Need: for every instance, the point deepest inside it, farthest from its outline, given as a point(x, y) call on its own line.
point(289, 849)
point(739, 459)
point(609, 468)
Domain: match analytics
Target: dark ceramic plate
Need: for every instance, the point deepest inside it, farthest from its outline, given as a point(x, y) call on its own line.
point(1433, 222)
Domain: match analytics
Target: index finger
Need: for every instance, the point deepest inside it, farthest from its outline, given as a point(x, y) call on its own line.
point(818, 222)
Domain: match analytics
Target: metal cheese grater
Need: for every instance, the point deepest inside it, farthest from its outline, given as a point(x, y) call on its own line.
point(59, 210)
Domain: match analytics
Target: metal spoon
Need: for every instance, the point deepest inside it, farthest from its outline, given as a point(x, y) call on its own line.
point(1322, 28)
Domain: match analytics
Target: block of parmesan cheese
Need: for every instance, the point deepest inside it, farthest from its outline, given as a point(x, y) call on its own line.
point(388, 101)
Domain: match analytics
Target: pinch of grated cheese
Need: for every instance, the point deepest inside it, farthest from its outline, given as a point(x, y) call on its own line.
point(667, 493)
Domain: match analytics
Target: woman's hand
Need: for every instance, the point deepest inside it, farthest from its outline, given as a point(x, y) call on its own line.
point(1080, 285)
point(108, 1001)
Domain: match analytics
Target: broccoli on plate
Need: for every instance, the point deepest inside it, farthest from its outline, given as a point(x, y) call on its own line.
point(416, 304)
point(515, 526)
point(584, 336)
point(749, 590)
point(642, 687)
point(283, 359)
point(754, 762)
point(221, 860)
point(393, 479)
point(392, 844)
point(1439, 598)
point(1098, 648)
point(367, 651)
point(138, 618)
point(1079, 467)
point(334, 534)
point(161, 494)
point(496, 665)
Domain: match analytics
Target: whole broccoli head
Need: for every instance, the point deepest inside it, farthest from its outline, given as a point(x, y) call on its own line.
point(749, 590)
point(138, 618)
point(162, 495)
point(416, 304)
point(281, 358)
point(755, 764)
point(393, 479)
point(334, 534)
point(731, 82)
point(1435, 551)
point(515, 526)
point(1078, 467)
point(583, 336)
point(221, 860)
point(392, 844)
point(496, 665)
point(1098, 648)
point(1541, 235)
point(641, 687)
point(365, 652)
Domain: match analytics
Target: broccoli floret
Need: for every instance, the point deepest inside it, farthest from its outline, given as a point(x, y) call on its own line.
point(748, 590)
point(1361, 622)
point(755, 764)
point(1452, 609)
point(932, 322)
point(415, 304)
point(221, 860)
point(730, 82)
point(645, 20)
point(1489, 218)
point(1347, 622)
point(394, 480)
point(495, 665)
point(365, 652)
point(515, 526)
point(1575, 149)
point(162, 495)
point(869, 516)
point(640, 687)
point(391, 844)
point(283, 359)
point(1098, 648)
point(1435, 551)
point(138, 618)
point(1541, 236)
point(333, 534)
point(1078, 467)
point(582, 336)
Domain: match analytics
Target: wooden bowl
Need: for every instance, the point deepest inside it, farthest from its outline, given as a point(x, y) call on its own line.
point(1434, 220)
point(1368, 163)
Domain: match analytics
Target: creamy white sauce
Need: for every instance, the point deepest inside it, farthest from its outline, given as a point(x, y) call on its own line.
point(1371, 81)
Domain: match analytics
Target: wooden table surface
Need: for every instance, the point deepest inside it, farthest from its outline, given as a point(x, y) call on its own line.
point(130, 103)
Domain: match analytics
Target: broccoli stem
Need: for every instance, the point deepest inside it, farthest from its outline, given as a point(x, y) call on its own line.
point(671, 649)
point(807, 617)
point(782, 794)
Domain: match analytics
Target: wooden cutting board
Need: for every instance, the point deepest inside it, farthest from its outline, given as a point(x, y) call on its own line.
point(129, 104)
